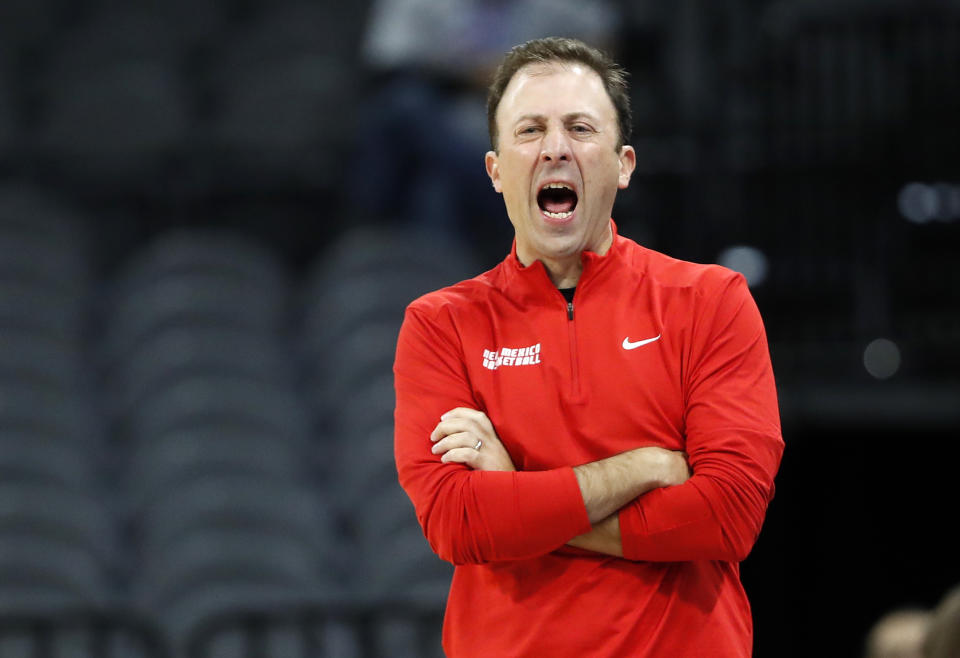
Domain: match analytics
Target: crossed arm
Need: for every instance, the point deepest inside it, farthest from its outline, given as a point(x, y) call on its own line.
point(606, 485)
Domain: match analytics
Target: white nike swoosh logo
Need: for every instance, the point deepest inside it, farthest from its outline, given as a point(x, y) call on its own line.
point(627, 345)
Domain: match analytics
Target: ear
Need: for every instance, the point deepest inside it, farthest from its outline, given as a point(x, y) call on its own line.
point(628, 162)
point(493, 169)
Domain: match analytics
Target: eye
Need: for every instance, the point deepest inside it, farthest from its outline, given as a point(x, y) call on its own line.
point(581, 128)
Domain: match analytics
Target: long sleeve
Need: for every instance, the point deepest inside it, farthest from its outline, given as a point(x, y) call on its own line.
point(468, 516)
point(733, 440)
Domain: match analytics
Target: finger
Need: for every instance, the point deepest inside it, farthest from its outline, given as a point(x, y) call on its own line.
point(467, 456)
point(452, 426)
point(465, 412)
point(458, 440)
point(475, 415)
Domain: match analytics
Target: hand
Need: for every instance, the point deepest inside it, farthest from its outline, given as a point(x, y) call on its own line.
point(672, 465)
point(459, 432)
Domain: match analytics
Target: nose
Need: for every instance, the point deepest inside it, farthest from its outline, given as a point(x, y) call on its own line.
point(555, 146)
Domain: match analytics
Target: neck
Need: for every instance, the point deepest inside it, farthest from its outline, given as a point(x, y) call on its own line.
point(565, 271)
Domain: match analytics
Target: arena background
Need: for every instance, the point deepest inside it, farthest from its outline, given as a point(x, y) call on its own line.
point(210, 210)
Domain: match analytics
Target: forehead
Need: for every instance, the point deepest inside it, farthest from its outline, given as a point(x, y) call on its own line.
point(555, 88)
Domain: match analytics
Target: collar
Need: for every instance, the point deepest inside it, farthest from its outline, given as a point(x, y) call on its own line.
point(532, 282)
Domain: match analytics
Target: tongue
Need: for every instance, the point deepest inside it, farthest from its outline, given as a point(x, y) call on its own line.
point(558, 201)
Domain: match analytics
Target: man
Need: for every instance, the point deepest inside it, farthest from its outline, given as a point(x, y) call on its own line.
point(589, 431)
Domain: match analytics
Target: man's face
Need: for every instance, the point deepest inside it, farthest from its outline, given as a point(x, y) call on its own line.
point(558, 165)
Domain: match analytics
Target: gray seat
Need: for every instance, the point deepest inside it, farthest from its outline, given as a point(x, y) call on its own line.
point(202, 251)
point(121, 32)
point(38, 261)
point(390, 251)
point(40, 310)
point(190, 301)
point(202, 401)
point(30, 457)
point(403, 568)
point(272, 126)
point(338, 370)
point(182, 352)
point(156, 467)
point(23, 22)
point(284, 92)
point(213, 571)
point(382, 510)
point(38, 213)
point(334, 311)
point(68, 516)
point(41, 575)
point(9, 119)
point(366, 409)
point(121, 122)
point(66, 416)
point(40, 361)
point(367, 468)
point(236, 502)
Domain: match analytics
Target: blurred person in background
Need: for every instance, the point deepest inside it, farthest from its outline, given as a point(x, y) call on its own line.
point(589, 430)
point(423, 121)
point(898, 634)
point(943, 634)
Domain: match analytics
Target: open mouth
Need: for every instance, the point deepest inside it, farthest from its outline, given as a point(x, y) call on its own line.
point(557, 200)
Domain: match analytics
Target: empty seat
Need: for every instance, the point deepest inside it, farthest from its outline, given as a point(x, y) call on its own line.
point(165, 462)
point(125, 32)
point(239, 502)
point(181, 352)
point(71, 517)
point(284, 88)
point(338, 369)
point(42, 575)
point(37, 361)
point(390, 251)
point(62, 415)
point(196, 281)
point(200, 401)
point(120, 124)
point(221, 253)
point(214, 571)
point(25, 23)
point(279, 124)
point(189, 301)
point(46, 312)
point(34, 457)
point(367, 469)
point(9, 121)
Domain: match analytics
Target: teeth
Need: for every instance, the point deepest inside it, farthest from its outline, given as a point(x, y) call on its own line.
point(557, 186)
point(557, 215)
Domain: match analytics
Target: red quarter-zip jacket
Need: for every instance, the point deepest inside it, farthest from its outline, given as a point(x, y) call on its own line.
point(652, 351)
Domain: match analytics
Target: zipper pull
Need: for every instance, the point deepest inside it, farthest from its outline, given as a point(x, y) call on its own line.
point(570, 310)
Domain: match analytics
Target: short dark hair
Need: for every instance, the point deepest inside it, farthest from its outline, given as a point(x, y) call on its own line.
point(562, 49)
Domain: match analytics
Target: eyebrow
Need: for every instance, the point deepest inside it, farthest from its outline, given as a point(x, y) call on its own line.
point(572, 116)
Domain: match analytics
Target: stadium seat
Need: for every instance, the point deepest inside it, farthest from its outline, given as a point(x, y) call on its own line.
point(64, 416)
point(161, 464)
point(41, 575)
point(181, 352)
point(189, 301)
point(32, 457)
point(197, 401)
point(121, 123)
point(236, 501)
point(214, 571)
point(223, 253)
point(75, 518)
